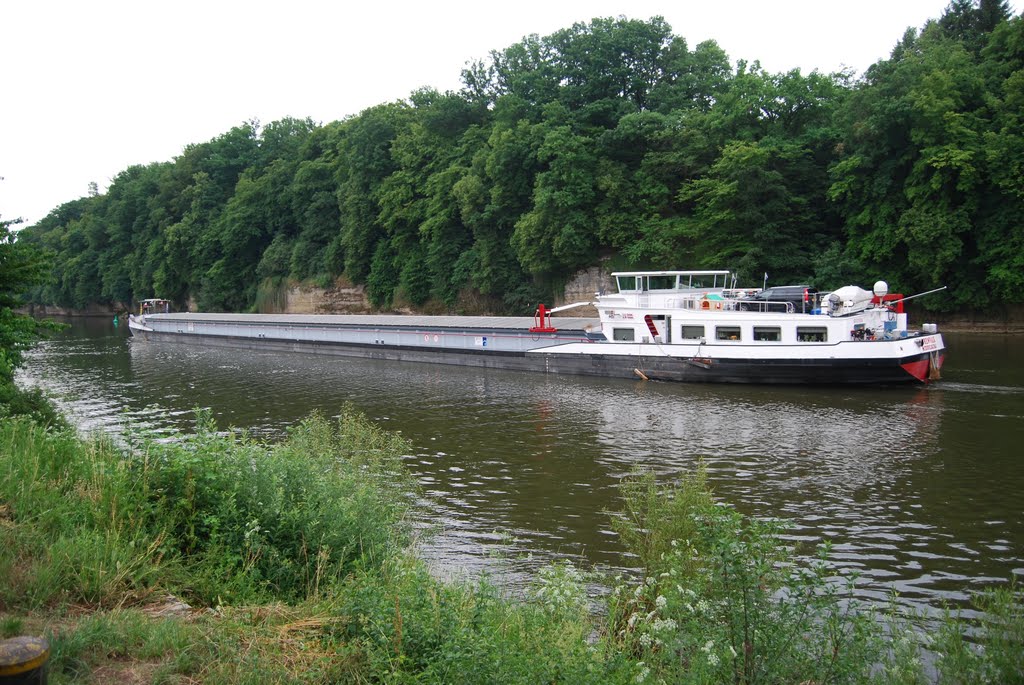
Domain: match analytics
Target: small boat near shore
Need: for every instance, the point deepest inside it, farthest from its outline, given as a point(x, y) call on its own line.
point(688, 326)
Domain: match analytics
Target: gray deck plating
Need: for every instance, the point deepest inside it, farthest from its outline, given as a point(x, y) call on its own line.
point(517, 323)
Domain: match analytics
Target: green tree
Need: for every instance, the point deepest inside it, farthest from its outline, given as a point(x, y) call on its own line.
point(366, 161)
point(558, 231)
point(491, 196)
point(927, 180)
point(754, 211)
point(22, 267)
point(314, 201)
point(610, 138)
point(691, 80)
point(970, 21)
point(418, 210)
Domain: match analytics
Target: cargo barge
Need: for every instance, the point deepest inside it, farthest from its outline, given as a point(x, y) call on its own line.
point(689, 326)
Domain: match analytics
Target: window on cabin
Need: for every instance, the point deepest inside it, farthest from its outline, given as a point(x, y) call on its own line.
point(811, 334)
point(692, 332)
point(623, 334)
point(767, 333)
point(727, 333)
point(627, 283)
point(661, 283)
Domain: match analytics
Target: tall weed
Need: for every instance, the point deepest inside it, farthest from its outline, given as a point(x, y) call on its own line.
point(254, 521)
point(74, 533)
point(402, 625)
point(727, 600)
point(995, 652)
point(223, 517)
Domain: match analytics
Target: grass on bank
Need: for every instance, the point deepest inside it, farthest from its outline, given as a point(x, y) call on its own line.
point(295, 558)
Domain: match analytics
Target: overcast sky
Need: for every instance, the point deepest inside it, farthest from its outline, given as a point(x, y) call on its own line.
point(92, 87)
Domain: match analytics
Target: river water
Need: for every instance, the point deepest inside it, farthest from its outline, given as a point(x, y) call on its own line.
point(919, 489)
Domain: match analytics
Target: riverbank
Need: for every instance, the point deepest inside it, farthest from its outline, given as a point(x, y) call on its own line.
point(216, 558)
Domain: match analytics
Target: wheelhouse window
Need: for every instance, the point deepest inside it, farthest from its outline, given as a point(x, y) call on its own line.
point(661, 283)
point(811, 334)
point(767, 333)
point(627, 283)
point(727, 333)
point(623, 334)
point(692, 332)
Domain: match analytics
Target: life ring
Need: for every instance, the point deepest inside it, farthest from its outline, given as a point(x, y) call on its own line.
point(704, 304)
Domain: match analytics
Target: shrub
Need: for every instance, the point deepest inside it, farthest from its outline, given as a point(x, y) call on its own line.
point(32, 403)
point(253, 521)
point(402, 625)
point(221, 517)
point(75, 532)
point(995, 652)
point(726, 600)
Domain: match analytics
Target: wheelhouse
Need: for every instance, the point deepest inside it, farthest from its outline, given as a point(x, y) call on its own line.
point(672, 281)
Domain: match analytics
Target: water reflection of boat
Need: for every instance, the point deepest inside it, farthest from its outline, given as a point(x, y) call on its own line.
point(790, 439)
point(665, 325)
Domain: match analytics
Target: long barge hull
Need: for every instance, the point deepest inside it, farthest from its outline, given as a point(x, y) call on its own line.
point(573, 350)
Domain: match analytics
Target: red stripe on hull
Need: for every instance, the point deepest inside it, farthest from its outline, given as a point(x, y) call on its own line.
point(926, 369)
point(918, 369)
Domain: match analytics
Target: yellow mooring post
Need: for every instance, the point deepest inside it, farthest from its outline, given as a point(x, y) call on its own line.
point(23, 660)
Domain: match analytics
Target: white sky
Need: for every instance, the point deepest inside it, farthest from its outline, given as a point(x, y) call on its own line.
point(92, 87)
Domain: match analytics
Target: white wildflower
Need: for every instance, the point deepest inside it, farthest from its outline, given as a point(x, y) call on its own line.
point(661, 601)
point(252, 529)
point(664, 624)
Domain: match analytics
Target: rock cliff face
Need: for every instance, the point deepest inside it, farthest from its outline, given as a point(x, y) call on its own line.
point(582, 288)
point(345, 298)
point(341, 298)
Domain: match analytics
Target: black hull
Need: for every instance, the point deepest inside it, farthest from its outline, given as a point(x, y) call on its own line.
point(758, 372)
point(784, 372)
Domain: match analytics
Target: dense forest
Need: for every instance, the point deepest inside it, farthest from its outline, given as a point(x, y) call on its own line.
point(610, 140)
